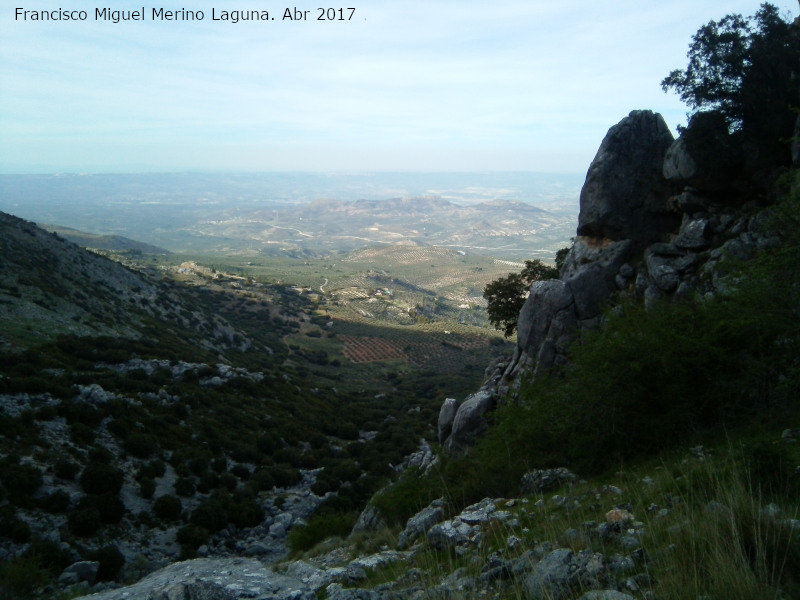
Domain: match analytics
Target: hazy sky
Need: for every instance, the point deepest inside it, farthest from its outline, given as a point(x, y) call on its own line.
point(402, 85)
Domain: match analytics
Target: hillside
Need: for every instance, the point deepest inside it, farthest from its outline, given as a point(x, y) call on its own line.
point(153, 411)
point(117, 243)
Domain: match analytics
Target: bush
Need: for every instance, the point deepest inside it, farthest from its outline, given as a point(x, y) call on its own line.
point(12, 527)
point(184, 486)
point(99, 478)
point(56, 502)
point(84, 520)
point(111, 562)
point(211, 515)
point(167, 507)
point(141, 445)
point(19, 480)
point(147, 487)
point(154, 468)
point(320, 527)
point(191, 537)
point(246, 512)
point(50, 555)
point(66, 469)
point(81, 434)
point(21, 577)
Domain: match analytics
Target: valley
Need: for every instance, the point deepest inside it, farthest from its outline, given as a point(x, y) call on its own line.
point(161, 405)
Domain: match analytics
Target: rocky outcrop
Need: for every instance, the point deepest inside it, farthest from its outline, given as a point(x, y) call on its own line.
point(705, 156)
point(624, 196)
point(624, 207)
point(469, 420)
point(657, 221)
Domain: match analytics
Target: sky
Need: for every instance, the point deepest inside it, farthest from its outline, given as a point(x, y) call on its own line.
point(434, 85)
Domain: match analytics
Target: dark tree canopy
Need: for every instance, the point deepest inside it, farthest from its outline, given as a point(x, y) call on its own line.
point(506, 295)
point(748, 70)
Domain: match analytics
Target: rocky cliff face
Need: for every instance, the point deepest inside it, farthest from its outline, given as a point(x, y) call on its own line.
point(655, 223)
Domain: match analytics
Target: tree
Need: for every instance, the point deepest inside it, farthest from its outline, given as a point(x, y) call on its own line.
point(506, 295)
point(746, 69)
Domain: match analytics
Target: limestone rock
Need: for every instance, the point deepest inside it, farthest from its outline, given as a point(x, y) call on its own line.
point(625, 194)
point(470, 421)
point(590, 271)
point(541, 480)
point(369, 520)
point(545, 318)
point(85, 570)
point(704, 156)
point(447, 414)
point(605, 595)
point(420, 523)
point(562, 572)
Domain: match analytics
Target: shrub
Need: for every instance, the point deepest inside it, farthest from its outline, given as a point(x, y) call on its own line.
point(66, 469)
point(81, 434)
point(55, 502)
point(111, 562)
point(320, 527)
point(84, 520)
point(261, 480)
point(167, 507)
point(246, 512)
point(21, 577)
point(184, 486)
point(191, 537)
point(147, 487)
point(19, 480)
point(12, 526)
point(210, 515)
point(98, 478)
point(50, 555)
point(141, 445)
point(154, 468)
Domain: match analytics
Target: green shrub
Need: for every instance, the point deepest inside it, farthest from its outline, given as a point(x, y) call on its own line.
point(154, 468)
point(111, 562)
point(65, 469)
point(167, 507)
point(50, 555)
point(19, 480)
point(184, 486)
point(284, 475)
point(21, 577)
point(141, 445)
point(12, 527)
point(147, 487)
point(81, 434)
point(191, 537)
point(84, 520)
point(261, 480)
point(99, 478)
point(210, 515)
point(320, 527)
point(55, 502)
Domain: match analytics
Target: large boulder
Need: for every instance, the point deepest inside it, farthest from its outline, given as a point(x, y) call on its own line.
point(470, 421)
point(625, 194)
point(704, 156)
point(546, 322)
point(447, 414)
point(590, 272)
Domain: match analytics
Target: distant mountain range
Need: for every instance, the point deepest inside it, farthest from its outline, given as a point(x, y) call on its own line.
point(498, 227)
point(512, 216)
point(117, 243)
